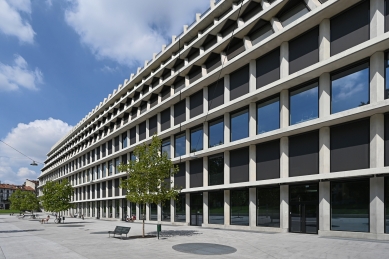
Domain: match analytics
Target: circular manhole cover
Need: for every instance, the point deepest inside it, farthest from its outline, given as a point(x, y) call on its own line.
point(204, 249)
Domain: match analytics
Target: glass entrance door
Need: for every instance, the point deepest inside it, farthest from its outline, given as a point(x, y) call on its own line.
point(303, 208)
point(196, 209)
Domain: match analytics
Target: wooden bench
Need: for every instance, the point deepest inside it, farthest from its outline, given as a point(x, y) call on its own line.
point(119, 231)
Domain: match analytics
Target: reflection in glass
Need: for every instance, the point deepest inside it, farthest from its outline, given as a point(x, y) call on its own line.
point(133, 210)
point(179, 145)
point(196, 209)
point(240, 125)
point(133, 157)
point(239, 207)
point(153, 212)
point(117, 205)
point(216, 133)
point(117, 163)
point(387, 205)
point(216, 170)
point(387, 75)
point(196, 139)
point(165, 211)
point(268, 115)
point(216, 207)
point(124, 140)
point(166, 147)
point(268, 207)
point(180, 208)
point(110, 166)
point(350, 88)
point(350, 206)
point(304, 104)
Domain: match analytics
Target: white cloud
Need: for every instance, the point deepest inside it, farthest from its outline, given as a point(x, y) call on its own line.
point(130, 31)
point(11, 21)
point(13, 77)
point(34, 140)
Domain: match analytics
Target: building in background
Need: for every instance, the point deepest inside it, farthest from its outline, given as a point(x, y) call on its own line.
point(6, 191)
point(275, 112)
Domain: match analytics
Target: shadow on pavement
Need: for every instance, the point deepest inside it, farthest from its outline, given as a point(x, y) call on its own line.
point(21, 230)
point(174, 233)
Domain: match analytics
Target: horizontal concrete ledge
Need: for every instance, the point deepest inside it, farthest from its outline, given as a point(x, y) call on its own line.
point(247, 228)
point(357, 235)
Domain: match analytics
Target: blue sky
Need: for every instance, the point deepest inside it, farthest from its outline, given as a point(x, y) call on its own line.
point(59, 59)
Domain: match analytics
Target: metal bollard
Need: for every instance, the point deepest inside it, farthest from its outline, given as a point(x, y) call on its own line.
point(159, 228)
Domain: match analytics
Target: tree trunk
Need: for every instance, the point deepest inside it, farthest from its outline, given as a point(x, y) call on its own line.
point(143, 220)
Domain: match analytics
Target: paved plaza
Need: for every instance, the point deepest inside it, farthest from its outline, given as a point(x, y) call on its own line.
point(77, 238)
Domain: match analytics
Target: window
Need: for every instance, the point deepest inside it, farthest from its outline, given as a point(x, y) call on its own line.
point(142, 131)
point(268, 115)
point(216, 207)
point(216, 133)
point(165, 119)
point(179, 177)
point(133, 136)
point(304, 103)
point(196, 172)
point(387, 71)
point(268, 207)
point(268, 160)
point(117, 163)
point(239, 207)
point(166, 211)
point(304, 154)
point(109, 144)
point(196, 104)
point(260, 31)
point(166, 147)
point(194, 74)
point(350, 88)
point(240, 124)
point(124, 140)
point(239, 165)
point(216, 169)
point(153, 212)
point(292, 11)
point(350, 208)
point(179, 145)
point(179, 112)
point(239, 82)
point(234, 48)
point(196, 139)
point(268, 68)
point(110, 168)
point(98, 172)
point(213, 62)
point(179, 84)
point(180, 208)
point(386, 191)
point(216, 94)
point(132, 156)
point(153, 122)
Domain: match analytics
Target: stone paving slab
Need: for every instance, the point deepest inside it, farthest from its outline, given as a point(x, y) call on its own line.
point(77, 238)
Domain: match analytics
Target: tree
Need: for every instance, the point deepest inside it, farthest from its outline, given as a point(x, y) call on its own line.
point(24, 201)
point(146, 182)
point(57, 196)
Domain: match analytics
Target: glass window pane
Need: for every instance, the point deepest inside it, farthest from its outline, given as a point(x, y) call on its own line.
point(350, 89)
point(387, 74)
point(216, 207)
point(216, 170)
point(117, 162)
point(268, 115)
point(165, 211)
point(153, 212)
point(166, 147)
point(216, 133)
point(124, 140)
point(350, 208)
point(180, 208)
point(196, 139)
point(179, 145)
point(268, 207)
point(387, 205)
point(104, 170)
point(239, 207)
point(304, 104)
point(110, 166)
point(239, 125)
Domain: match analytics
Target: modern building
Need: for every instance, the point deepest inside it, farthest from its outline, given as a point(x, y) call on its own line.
point(276, 113)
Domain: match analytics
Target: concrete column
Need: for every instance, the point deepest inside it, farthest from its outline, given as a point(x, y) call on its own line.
point(252, 119)
point(205, 99)
point(247, 42)
point(227, 128)
point(203, 70)
point(187, 82)
point(205, 171)
point(187, 108)
point(284, 103)
point(120, 208)
point(226, 88)
point(324, 95)
point(148, 212)
point(377, 77)
point(265, 4)
point(187, 141)
point(159, 212)
point(219, 36)
point(205, 208)
point(205, 136)
point(252, 163)
point(377, 143)
point(137, 134)
point(226, 167)
point(227, 212)
point(187, 174)
point(312, 4)
point(284, 207)
point(172, 116)
point(147, 129)
point(284, 56)
point(138, 216)
point(377, 205)
point(284, 161)
point(187, 208)
point(276, 24)
point(223, 57)
point(172, 150)
point(324, 40)
point(253, 76)
point(172, 210)
point(253, 207)
point(158, 123)
point(377, 18)
point(324, 150)
point(324, 206)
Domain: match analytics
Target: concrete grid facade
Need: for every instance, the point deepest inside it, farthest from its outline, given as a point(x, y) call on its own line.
point(210, 96)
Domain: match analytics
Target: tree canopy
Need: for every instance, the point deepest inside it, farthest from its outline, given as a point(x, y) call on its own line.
point(57, 196)
point(149, 175)
point(24, 201)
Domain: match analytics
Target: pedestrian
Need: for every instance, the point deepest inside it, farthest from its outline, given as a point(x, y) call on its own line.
point(82, 216)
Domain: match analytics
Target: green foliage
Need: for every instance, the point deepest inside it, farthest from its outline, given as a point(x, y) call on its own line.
point(57, 196)
point(24, 201)
point(149, 175)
